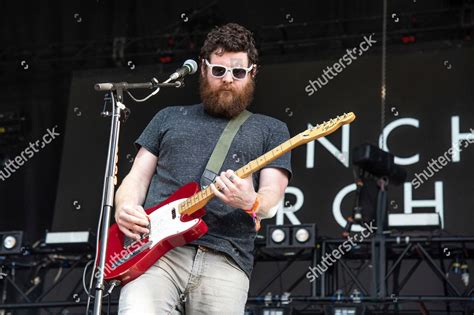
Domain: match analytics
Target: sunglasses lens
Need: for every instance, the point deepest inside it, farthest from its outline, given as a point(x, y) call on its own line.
point(218, 71)
point(239, 73)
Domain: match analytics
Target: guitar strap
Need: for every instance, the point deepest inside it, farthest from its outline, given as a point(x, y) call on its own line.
point(222, 148)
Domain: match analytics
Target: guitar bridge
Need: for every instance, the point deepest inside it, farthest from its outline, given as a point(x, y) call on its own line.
point(121, 260)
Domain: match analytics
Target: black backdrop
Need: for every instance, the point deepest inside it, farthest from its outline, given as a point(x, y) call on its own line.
point(421, 86)
point(57, 37)
point(430, 86)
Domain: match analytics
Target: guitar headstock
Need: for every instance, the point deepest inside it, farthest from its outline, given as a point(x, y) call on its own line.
point(327, 127)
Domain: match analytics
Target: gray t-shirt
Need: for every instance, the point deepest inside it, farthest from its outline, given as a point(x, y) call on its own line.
point(183, 138)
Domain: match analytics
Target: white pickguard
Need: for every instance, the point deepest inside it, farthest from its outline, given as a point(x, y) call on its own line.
point(163, 225)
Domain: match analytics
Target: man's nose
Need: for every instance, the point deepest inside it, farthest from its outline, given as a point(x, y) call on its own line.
point(228, 77)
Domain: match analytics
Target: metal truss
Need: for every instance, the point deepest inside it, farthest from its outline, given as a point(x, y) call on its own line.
point(332, 287)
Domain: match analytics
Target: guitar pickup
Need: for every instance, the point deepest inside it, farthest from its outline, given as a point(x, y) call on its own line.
point(173, 213)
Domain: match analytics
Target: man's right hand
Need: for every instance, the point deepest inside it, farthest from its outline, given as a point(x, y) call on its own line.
point(132, 220)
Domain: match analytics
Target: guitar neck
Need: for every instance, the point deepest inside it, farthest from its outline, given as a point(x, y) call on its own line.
point(201, 198)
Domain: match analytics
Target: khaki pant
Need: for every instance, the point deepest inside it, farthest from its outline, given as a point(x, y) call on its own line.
point(187, 280)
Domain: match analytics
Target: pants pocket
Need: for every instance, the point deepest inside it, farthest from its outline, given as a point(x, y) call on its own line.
point(230, 261)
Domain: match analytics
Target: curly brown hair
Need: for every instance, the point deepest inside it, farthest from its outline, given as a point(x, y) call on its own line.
point(230, 37)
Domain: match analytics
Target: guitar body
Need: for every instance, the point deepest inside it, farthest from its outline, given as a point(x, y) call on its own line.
point(127, 259)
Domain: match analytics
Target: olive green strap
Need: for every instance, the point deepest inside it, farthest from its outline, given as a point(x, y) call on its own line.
point(222, 148)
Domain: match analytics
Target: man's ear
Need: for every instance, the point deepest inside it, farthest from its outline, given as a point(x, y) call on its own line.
point(254, 71)
point(203, 69)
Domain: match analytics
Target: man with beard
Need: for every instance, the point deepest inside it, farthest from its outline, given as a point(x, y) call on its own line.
point(210, 275)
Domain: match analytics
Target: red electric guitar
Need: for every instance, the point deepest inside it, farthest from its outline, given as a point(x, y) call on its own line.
point(177, 220)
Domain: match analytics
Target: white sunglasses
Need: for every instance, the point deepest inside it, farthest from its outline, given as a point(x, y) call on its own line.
point(219, 71)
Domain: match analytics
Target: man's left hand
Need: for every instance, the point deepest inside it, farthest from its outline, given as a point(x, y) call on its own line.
point(235, 191)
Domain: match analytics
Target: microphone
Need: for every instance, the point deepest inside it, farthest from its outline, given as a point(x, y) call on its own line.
point(189, 67)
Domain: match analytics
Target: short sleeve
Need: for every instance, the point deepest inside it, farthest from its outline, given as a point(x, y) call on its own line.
point(152, 135)
point(279, 134)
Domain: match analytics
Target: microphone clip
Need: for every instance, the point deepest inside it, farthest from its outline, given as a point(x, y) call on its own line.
point(179, 83)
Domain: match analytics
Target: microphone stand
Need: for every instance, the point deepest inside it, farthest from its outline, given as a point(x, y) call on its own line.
point(123, 86)
point(119, 113)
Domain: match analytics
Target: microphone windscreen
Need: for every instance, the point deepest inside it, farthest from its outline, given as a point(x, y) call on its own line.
point(192, 65)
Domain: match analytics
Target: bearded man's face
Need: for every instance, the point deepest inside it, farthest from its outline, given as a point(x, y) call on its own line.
point(226, 96)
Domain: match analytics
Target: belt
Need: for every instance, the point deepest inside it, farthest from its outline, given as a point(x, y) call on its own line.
point(209, 250)
point(204, 249)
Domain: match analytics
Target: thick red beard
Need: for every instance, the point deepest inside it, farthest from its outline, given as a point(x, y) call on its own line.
point(225, 101)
